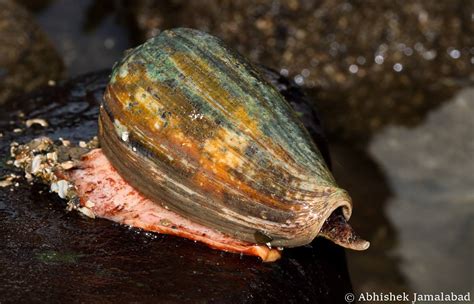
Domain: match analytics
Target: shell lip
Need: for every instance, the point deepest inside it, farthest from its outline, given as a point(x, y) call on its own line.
point(334, 199)
point(334, 226)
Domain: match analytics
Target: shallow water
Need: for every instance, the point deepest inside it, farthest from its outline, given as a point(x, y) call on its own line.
point(422, 237)
point(432, 206)
point(411, 178)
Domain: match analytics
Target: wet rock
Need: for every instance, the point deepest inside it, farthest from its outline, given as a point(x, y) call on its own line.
point(432, 206)
point(368, 63)
point(84, 260)
point(27, 58)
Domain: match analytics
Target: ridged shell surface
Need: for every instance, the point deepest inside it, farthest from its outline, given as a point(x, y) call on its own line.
point(192, 125)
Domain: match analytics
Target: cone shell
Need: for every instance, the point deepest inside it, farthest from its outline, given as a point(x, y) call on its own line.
point(192, 125)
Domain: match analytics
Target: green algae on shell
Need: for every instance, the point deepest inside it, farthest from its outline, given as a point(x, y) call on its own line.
point(192, 125)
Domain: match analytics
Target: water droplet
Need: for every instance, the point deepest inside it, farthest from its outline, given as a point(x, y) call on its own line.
point(353, 68)
point(379, 59)
point(423, 17)
point(429, 55)
point(284, 72)
point(419, 46)
point(299, 80)
point(408, 51)
point(397, 67)
point(361, 60)
point(454, 53)
point(383, 48)
point(305, 72)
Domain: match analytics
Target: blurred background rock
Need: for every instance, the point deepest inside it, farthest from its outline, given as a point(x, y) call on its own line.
point(28, 60)
point(392, 80)
point(380, 62)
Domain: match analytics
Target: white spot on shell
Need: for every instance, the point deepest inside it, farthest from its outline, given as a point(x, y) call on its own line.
point(123, 72)
point(195, 115)
point(121, 130)
point(125, 135)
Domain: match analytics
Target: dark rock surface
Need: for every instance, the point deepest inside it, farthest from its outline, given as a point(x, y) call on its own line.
point(49, 255)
